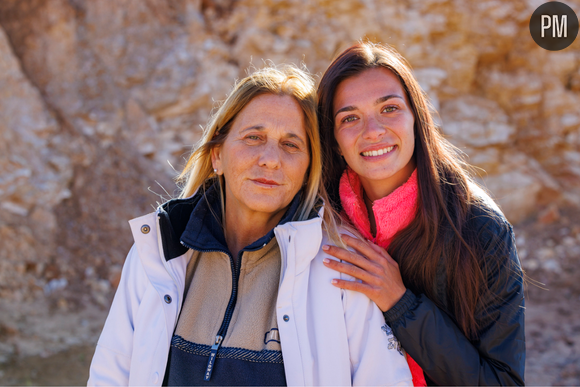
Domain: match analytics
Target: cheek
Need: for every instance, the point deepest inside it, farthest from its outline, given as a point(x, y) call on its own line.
point(237, 158)
point(303, 168)
point(412, 134)
point(408, 130)
point(297, 170)
point(349, 150)
point(344, 142)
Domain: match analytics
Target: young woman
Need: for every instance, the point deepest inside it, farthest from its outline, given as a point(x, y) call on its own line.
point(443, 267)
point(226, 285)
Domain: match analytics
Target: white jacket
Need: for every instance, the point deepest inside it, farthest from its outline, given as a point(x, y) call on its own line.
point(332, 336)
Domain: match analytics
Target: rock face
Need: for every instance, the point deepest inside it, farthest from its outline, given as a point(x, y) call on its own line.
point(99, 101)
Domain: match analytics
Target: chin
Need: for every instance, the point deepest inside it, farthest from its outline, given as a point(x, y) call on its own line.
point(264, 205)
point(378, 175)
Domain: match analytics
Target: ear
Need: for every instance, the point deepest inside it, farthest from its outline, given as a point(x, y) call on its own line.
point(216, 159)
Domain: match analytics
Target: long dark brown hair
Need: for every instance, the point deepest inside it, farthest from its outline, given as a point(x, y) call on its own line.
point(438, 229)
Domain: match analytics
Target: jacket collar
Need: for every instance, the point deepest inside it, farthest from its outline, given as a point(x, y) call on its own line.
point(195, 223)
point(392, 213)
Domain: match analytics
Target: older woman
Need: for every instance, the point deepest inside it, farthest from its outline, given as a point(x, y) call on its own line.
point(450, 285)
point(226, 285)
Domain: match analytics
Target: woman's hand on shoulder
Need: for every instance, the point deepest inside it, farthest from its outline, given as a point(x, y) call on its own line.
point(379, 275)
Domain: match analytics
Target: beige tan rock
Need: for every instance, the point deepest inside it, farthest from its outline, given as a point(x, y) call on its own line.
point(476, 122)
point(549, 215)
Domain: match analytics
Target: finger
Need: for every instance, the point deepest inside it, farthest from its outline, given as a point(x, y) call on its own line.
point(353, 258)
point(368, 248)
point(349, 269)
point(353, 285)
point(383, 252)
point(362, 247)
point(377, 248)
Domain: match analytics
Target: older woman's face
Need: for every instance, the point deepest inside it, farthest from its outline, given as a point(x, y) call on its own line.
point(373, 126)
point(265, 156)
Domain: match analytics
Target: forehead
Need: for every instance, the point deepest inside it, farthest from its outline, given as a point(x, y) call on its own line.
point(270, 110)
point(367, 86)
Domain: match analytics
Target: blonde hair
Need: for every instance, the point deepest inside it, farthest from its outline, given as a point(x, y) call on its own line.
point(287, 80)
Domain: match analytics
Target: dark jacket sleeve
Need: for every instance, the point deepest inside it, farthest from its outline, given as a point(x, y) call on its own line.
point(446, 355)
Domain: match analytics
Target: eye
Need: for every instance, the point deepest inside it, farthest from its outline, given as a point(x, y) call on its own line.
point(349, 119)
point(291, 145)
point(252, 137)
point(390, 109)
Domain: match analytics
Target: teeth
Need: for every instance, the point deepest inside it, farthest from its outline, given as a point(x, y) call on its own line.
point(378, 152)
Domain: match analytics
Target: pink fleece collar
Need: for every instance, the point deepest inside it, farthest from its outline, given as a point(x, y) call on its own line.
point(392, 213)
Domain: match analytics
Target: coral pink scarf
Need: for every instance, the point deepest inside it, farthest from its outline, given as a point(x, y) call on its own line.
point(394, 212)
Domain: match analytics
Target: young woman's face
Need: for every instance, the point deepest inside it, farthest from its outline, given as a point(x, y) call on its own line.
point(373, 125)
point(265, 156)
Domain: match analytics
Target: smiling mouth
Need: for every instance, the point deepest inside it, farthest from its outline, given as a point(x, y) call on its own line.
point(378, 152)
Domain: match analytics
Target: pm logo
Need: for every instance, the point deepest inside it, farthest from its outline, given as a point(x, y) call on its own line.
point(554, 26)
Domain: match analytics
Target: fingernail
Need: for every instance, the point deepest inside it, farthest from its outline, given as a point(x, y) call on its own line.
point(326, 260)
point(325, 247)
point(334, 282)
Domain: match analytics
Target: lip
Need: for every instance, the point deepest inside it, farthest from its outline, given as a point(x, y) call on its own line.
point(378, 148)
point(265, 182)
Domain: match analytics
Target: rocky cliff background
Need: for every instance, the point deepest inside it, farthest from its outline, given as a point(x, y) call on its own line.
point(101, 101)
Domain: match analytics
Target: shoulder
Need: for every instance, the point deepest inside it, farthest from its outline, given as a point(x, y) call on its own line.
point(495, 237)
point(485, 218)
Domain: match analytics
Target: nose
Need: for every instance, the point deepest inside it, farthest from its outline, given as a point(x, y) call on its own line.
point(270, 156)
point(373, 129)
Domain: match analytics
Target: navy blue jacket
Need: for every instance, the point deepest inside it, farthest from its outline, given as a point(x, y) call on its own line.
point(428, 330)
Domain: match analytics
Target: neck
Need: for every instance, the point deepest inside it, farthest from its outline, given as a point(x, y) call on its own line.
point(378, 189)
point(241, 229)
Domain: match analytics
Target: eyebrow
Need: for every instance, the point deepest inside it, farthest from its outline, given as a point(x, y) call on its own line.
point(255, 127)
point(378, 101)
point(295, 136)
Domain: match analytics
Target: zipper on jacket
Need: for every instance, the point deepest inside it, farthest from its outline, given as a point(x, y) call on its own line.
point(212, 355)
point(229, 309)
